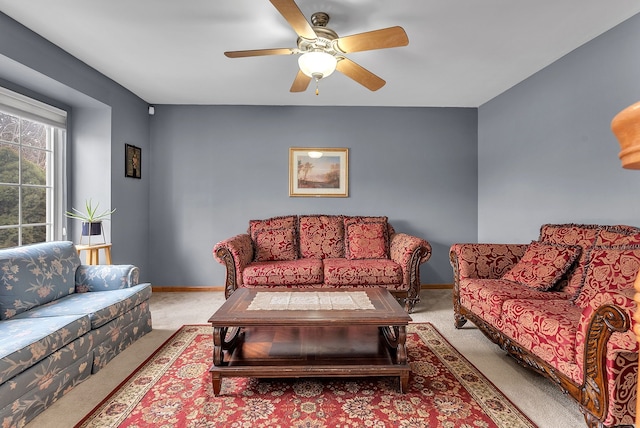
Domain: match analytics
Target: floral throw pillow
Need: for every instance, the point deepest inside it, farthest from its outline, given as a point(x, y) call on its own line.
point(275, 244)
point(289, 221)
point(543, 265)
point(569, 234)
point(614, 236)
point(609, 271)
point(367, 240)
point(321, 236)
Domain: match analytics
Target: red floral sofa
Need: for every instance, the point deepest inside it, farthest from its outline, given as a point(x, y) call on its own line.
point(324, 251)
point(562, 305)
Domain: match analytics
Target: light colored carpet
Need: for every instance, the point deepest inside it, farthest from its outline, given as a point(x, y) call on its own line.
point(538, 398)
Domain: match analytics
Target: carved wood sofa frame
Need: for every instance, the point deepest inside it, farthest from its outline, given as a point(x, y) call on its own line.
point(591, 395)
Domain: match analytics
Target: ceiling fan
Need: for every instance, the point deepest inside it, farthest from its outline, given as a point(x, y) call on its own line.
point(322, 51)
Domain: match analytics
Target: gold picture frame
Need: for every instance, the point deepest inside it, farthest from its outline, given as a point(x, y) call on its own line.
point(319, 172)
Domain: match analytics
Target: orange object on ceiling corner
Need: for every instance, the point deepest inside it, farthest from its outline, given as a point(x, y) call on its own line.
point(626, 127)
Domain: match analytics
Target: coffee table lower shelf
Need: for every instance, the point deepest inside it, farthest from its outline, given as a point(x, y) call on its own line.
point(298, 352)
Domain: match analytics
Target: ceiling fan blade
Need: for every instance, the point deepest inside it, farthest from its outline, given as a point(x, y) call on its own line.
point(301, 82)
point(378, 39)
point(294, 16)
point(360, 74)
point(259, 52)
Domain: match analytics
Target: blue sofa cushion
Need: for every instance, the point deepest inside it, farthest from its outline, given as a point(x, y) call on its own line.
point(100, 306)
point(25, 341)
point(33, 275)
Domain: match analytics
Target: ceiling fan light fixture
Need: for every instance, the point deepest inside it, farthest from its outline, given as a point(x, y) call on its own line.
point(317, 64)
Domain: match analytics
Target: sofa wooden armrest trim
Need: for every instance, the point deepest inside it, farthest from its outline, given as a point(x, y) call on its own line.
point(606, 320)
point(409, 252)
point(235, 253)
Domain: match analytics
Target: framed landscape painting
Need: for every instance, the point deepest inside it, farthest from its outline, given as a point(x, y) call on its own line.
point(318, 172)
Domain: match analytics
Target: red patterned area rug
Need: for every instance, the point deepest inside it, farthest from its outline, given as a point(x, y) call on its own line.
point(173, 389)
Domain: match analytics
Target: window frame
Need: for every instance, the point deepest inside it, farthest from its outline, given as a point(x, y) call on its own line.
point(55, 121)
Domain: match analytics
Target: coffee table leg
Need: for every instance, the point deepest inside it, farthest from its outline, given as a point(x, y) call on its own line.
point(404, 381)
point(221, 343)
point(216, 382)
point(396, 339)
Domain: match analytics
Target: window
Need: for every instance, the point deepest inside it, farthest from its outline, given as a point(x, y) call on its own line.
point(32, 148)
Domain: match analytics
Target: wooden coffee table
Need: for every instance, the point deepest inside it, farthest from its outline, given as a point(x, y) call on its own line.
point(266, 333)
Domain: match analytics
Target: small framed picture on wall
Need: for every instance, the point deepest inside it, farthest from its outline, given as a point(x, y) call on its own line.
point(132, 161)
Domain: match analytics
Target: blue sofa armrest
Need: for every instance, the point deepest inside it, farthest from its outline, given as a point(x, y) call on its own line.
point(105, 277)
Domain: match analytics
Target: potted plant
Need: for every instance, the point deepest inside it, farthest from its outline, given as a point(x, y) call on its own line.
point(91, 219)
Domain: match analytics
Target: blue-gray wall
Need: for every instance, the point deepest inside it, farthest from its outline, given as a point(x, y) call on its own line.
point(214, 168)
point(546, 153)
point(103, 117)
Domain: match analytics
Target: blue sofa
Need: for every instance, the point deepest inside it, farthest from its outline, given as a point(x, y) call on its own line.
point(61, 321)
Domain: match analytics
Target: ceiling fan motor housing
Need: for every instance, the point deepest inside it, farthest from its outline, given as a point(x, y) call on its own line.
point(324, 41)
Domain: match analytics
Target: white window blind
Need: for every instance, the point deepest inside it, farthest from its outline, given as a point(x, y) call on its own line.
point(19, 105)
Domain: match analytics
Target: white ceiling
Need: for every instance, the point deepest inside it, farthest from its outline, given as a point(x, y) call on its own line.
point(461, 53)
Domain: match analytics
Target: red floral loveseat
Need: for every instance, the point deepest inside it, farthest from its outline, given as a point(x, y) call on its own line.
point(562, 305)
point(324, 251)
